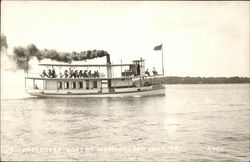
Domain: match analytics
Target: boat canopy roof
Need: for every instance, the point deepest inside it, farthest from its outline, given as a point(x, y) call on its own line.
point(86, 65)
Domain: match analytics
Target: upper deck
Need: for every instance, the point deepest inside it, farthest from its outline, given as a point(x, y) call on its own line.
point(69, 72)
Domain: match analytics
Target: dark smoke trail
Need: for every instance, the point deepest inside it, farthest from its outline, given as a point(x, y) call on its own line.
point(23, 55)
point(4, 42)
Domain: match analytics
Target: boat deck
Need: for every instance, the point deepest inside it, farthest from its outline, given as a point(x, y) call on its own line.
point(123, 92)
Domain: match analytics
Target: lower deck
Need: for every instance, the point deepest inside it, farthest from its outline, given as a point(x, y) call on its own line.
point(120, 92)
point(101, 87)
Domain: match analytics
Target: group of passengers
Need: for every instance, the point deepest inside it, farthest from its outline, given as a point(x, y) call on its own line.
point(71, 74)
point(153, 71)
point(81, 74)
point(128, 73)
point(51, 73)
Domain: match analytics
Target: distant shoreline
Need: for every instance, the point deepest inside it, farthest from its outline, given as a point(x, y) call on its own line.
point(200, 80)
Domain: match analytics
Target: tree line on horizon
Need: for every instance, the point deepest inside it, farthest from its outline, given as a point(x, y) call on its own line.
point(200, 80)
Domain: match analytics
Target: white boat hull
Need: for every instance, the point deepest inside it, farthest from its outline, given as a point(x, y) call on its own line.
point(141, 93)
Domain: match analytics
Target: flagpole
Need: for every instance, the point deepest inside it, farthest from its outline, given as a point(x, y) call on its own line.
point(162, 60)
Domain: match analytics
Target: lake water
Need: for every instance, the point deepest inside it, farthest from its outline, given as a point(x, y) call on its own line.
point(191, 123)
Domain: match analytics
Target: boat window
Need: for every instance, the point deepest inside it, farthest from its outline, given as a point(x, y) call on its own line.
point(87, 84)
point(59, 85)
point(80, 85)
point(73, 85)
point(94, 84)
point(66, 85)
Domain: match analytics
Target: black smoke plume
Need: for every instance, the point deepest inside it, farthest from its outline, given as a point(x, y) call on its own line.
point(23, 55)
point(4, 42)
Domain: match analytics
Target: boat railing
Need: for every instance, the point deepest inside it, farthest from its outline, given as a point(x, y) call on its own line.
point(57, 76)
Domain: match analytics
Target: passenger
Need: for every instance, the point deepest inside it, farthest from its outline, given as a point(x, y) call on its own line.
point(97, 74)
point(73, 74)
point(53, 72)
point(61, 75)
point(147, 72)
point(154, 71)
point(36, 87)
point(80, 74)
point(66, 73)
point(44, 74)
point(85, 74)
point(70, 73)
point(76, 74)
point(89, 74)
point(50, 73)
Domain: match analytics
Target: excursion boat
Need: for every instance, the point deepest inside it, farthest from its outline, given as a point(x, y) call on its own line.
point(133, 82)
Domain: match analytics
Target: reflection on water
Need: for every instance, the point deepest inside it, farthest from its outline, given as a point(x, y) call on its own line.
point(192, 122)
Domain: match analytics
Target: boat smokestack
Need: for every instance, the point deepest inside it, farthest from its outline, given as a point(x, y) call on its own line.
point(109, 73)
point(108, 59)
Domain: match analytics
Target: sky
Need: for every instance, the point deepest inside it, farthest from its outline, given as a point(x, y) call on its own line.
point(207, 39)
